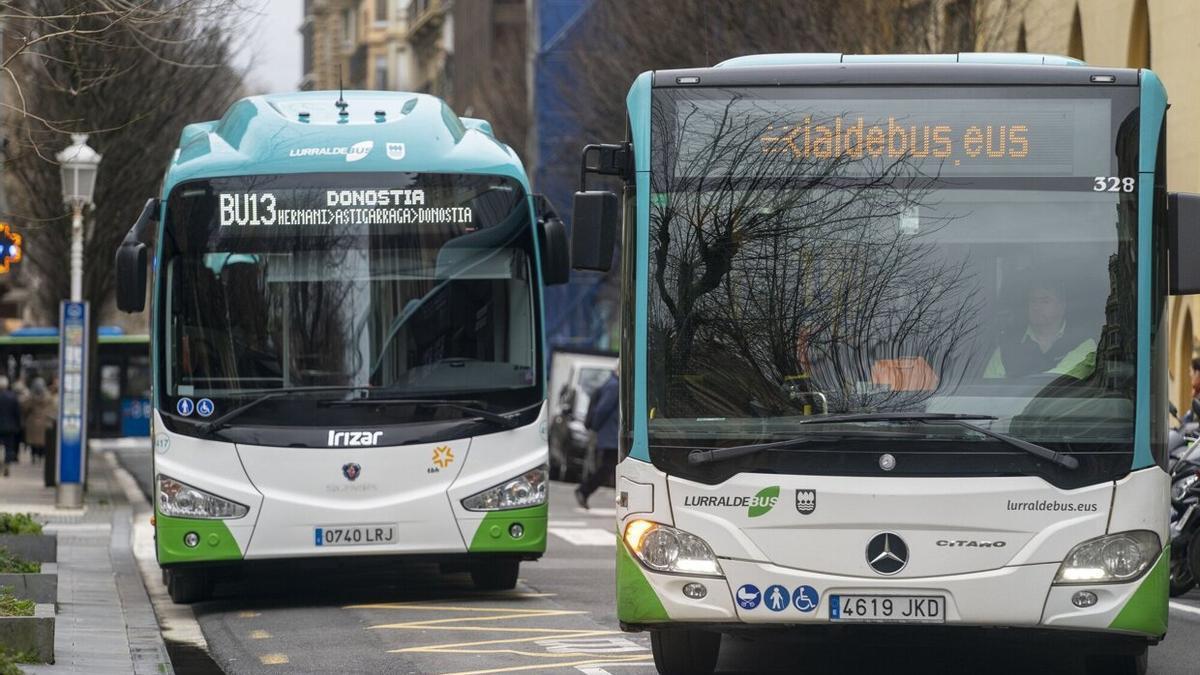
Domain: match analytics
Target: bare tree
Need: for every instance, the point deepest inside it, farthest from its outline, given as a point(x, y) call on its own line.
point(778, 264)
point(130, 73)
point(619, 39)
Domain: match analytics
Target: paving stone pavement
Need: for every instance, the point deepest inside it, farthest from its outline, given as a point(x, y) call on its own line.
point(105, 622)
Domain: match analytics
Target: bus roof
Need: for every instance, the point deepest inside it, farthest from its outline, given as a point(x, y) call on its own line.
point(810, 58)
point(308, 132)
point(896, 70)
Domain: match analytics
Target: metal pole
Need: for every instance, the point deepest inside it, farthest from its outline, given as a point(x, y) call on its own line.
point(70, 495)
point(77, 254)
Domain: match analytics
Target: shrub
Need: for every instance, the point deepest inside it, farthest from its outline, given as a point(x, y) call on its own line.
point(11, 564)
point(9, 661)
point(19, 523)
point(11, 606)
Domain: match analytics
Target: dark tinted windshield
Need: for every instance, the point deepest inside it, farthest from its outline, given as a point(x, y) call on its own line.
point(408, 285)
point(911, 250)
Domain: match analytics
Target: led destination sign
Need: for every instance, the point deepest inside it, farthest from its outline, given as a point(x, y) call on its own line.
point(939, 137)
point(373, 206)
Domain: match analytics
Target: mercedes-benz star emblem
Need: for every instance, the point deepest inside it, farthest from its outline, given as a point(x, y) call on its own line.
point(887, 462)
point(887, 553)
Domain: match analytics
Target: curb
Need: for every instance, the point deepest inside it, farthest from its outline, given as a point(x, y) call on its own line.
point(36, 586)
point(31, 547)
point(147, 649)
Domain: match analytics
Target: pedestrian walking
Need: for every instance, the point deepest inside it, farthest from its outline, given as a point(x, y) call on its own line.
point(38, 414)
point(603, 418)
point(10, 422)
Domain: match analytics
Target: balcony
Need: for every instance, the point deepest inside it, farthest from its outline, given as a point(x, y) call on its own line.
point(425, 17)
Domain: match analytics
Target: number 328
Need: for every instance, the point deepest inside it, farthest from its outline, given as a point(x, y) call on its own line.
point(1113, 184)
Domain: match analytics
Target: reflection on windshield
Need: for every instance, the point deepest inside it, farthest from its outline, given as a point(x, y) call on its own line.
point(786, 284)
point(412, 308)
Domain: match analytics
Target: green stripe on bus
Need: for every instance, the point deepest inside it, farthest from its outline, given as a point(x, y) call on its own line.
point(1146, 610)
point(636, 600)
point(216, 541)
point(493, 535)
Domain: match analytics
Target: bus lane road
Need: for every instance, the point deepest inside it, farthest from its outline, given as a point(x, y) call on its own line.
point(561, 618)
point(413, 619)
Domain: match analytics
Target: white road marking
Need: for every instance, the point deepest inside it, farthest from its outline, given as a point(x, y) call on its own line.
point(1180, 607)
point(585, 536)
point(569, 523)
point(596, 670)
point(597, 511)
point(603, 645)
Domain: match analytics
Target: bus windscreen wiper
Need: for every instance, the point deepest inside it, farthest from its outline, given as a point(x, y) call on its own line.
point(960, 420)
point(222, 420)
point(957, 419)
point(499, 419)
point(735, 451)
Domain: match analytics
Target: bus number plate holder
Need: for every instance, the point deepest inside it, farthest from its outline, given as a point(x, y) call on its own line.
point(355, 535)
point(888, 608)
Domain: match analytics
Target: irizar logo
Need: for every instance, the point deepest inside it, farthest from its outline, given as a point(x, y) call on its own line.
point(359, 150)
point(353, 439)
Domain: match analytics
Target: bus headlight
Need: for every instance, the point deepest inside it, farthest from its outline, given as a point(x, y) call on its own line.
point(1113, 558)
point(665, 549)
point(184, 501)
point(528, 489)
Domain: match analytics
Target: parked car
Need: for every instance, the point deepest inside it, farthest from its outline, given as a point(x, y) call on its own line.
point(573, 377)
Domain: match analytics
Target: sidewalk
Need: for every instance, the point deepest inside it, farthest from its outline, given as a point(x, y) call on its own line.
point(105, 622)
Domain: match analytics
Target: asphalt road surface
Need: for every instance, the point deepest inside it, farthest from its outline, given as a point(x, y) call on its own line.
point(561, 618)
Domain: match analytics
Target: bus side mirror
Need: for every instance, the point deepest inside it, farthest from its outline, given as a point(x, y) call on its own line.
point(131, 277)
point(552, 234)
point(594, 230)
point(132, 260)
point(1183, 232)
point(595, 218)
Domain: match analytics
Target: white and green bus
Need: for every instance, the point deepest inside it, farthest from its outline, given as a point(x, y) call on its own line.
point(893, 350)
point(348, 352)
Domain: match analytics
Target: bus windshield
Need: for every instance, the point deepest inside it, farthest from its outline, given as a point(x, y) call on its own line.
point(401, 286)
point(854, 250)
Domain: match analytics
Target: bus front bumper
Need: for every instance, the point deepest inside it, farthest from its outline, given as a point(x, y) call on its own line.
point(1021, 596)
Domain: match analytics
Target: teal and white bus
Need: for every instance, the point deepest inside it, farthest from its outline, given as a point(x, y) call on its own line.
point(347, 339)
point(893, 350)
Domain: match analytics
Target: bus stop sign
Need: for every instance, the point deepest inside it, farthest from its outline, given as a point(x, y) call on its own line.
point(72, 404)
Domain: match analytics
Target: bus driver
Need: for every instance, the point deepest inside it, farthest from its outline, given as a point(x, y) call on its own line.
point(1050, 344)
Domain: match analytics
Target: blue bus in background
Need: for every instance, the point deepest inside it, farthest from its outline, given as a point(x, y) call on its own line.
point(121, 390)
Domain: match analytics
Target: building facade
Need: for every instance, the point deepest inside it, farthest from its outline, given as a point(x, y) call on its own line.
point(358, 44)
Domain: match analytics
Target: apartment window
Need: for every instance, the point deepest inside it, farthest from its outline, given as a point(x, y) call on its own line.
point(381, 72)
point(349, 29)
point(381, 11)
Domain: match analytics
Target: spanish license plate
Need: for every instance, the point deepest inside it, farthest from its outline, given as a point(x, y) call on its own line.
point(885, 608)
point(355, 535)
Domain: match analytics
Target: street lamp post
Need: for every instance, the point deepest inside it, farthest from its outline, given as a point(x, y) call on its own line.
point(79, 163)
